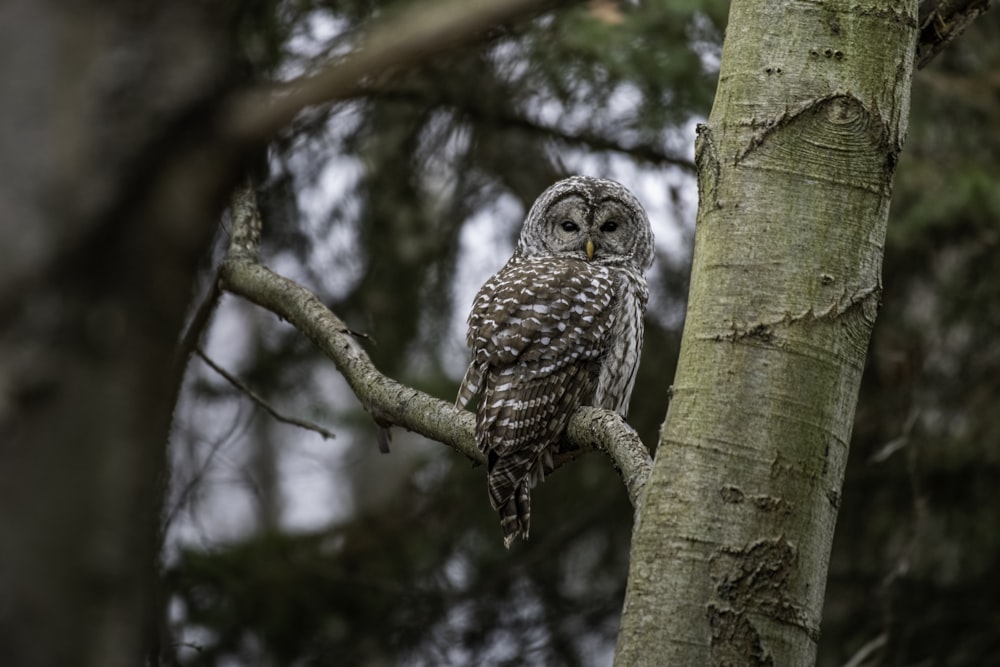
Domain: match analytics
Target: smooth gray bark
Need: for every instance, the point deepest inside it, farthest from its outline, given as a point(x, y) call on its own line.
point(730, 551)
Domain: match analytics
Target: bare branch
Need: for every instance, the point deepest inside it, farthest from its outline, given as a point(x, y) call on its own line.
point(645, 152)
point(256, 398)
point(867, 651)
point(244, 234)
point(390, 402)
point(606, 430)
point(941, 22)
point(640, 151)
point(199, 323)
point(385, 399)
point(413, 34)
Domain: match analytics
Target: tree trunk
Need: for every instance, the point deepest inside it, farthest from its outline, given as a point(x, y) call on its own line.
point(795, 165)
point(109, 200)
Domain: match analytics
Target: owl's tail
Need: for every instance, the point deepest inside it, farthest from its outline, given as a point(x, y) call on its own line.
point(509, 481)
point(515, 515)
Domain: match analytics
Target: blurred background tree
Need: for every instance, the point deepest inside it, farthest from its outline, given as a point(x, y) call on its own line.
point(281, 547)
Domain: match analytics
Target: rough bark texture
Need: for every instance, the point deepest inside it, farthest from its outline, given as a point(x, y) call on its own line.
point(732, 543)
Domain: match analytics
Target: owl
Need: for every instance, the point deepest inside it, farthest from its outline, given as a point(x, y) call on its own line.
point(557, 328)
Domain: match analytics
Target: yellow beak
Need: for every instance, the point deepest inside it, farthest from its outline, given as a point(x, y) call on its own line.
point(590, 249)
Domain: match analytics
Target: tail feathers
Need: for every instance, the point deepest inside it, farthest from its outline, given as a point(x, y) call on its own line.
point(515, 515)
point(509, 480)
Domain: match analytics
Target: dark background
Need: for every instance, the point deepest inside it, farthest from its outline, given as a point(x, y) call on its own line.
point(282, 548)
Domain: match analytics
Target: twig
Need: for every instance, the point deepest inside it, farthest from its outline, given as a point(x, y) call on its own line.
point(867, 650)
point(392, 403)
point(196, 478)
point(199, 323)
point(256, 398)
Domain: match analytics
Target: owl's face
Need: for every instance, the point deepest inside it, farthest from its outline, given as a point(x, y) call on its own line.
point(589, 218)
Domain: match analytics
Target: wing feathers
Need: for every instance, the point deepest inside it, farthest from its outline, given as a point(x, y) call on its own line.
point(537, 331)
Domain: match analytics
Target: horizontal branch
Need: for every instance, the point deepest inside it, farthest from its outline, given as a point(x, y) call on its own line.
point(385, 399)
point(477, 109)
point(411, 35)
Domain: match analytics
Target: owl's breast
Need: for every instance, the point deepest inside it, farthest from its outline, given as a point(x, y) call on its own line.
point(621, 360)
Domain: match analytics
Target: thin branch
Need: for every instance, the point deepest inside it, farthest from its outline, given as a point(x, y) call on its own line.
point(256, 398)
point(392, 403)
point(386, 400)
point(942, 22)
point(594, 141)
point(196, 328)
point(641, 151)
point(411, 35)
point(197, 477)
point(244, 234)
point(867, 651)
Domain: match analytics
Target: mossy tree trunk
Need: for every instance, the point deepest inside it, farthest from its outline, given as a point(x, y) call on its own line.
point(795, 167)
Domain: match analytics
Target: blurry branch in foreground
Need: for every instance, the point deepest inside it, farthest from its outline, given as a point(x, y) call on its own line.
point(479, 110)
point(386, 400)
point(412, 34)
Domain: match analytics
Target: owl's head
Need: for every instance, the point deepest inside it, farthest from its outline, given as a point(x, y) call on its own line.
point(594, 219)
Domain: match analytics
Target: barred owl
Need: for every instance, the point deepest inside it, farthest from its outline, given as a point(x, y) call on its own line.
point(558, 327)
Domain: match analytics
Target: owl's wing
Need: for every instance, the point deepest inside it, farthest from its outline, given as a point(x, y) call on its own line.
point(478, 319)
point(537, 330)
point(470, 385)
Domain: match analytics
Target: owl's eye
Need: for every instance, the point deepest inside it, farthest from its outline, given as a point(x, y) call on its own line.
point(570, 226)
point(609, 226)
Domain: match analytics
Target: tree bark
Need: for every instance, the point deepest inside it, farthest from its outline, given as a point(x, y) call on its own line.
point(733, 537)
